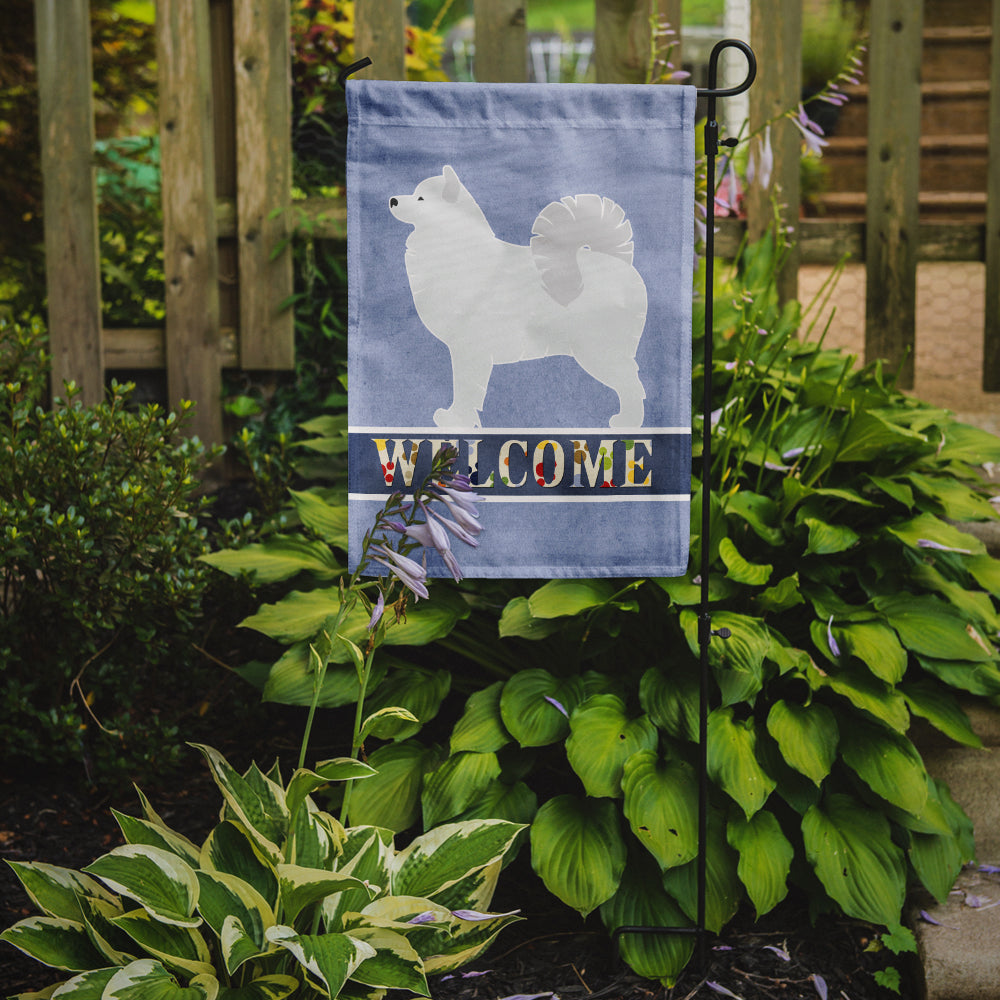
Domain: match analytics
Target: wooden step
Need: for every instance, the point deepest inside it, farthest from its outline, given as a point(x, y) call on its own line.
point(956, 53)
point(940, 13)
point(957, 206)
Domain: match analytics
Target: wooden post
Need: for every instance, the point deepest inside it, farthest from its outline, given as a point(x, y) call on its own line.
point(622, 40)
point(893, 183)
point(776, 34)
point(380, 34)
point(261, 56)
point(190, 254)
point(72, 256)
point(501, 36)
point(991, 333)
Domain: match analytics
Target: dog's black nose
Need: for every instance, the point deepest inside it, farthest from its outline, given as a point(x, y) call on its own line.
point(393, 202)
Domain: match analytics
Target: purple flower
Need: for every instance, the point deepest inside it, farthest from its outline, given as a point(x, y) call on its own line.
point(467, 519)
point(411, 574)
point(834, 648)
point(811, 132)
point(820, 983)
point(462, 534)
point(719, 988)
point(475, 915)
point(927, 543)
point(377, 611)
point(761, 163)
point(780, 952)
point(558, 705)
point(427, 917)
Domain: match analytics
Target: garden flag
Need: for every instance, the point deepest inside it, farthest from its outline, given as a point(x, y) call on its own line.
point(520, 262)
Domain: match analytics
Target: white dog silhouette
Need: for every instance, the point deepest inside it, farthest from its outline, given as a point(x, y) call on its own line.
point(572, 292)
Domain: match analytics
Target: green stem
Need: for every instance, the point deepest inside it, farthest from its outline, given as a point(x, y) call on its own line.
point(356, 737)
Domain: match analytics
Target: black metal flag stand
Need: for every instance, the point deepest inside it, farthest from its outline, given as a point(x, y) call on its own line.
point(705, 631)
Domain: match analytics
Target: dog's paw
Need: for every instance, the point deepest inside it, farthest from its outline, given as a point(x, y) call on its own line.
point(458, 419)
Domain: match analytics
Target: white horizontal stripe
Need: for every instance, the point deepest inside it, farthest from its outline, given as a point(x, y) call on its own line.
point(480, 432)
point(596, 497)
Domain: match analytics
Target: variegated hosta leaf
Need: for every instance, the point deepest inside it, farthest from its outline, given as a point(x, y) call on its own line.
point(273, 987)
point(329, 959)
point(304, 782)
point(765, 858)
point(56, 891)
point(315, 838)
point(391, 799)
point(141, 831)
point(456, 784)
point(642, 902)
point(256, 801)
point(602, 737)
point(158, 880)
point(723, 889)
point(441, 857)
point(225, 897)
point(147, 979)
point(578, 851)
point(230, 849)
point(850, 847)
point(481, 727)
point(54, 941)
point(116, 947)
point(888, 763)
point(732, 760)
point(807, 736)
point(177, 947)
point(476, 890)
point(535, 706)
point(395, 964)
point(300, 887)
point(367, 853)
point(661, 800)
point(86, 986)
point(468, 939)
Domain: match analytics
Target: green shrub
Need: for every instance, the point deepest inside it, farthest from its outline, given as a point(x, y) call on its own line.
point(99, 539)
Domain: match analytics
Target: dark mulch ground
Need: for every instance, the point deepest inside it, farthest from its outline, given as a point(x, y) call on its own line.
point(61, 822)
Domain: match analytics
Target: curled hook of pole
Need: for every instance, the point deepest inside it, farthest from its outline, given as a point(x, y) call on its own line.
point(713, 69)
point(353, 68)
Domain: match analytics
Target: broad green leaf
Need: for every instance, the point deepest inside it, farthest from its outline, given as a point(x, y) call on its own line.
point(141, 831)
point(147, 979)
point(327, 520)
point(516, 803)
point(783, 595)
point(828, 539)
point(976, 678)
point(559, 598)
point(387, 722)
point(932, 628)
point(54, 941)
point(739, 569)
point(481, 728)
point(418, 690)
point(850, 848)
point(304, 782)
point(530, 706)
point(893, 488)
point(866, 692)
point(56, 891)
point(976, 605)
point(225, 897)
point(578, 851)
point(292, 681)
point(395, 964)
point(965, 443)
point(807, 736)
point(163, 884)
point(986, 571)
point(640, 901)
point(278, 558)
point(231, 850)
point(440, 858)
point(683, 591)
point(671, 699)
point(723, 889)
point(941, 709)
point(661, 800)
point(937, 859)
point(601, 739)
point(391, 798)
point(765, 858)
point(330, 959)
point(738, 661)
point(273, 987)
point(301, 887)
point(876, 646)
point(517, 620)
point(456, 785)
point(869, 436)
point(732, 760)
point(928, 528)
point(758, 511)
point(181, 948)
point(956, 500)
point(888, 763)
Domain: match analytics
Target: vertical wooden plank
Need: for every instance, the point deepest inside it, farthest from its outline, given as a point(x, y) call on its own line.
point(776, 35)
point(622, 40)
point(72, 257)
point(991, 333)
point(380, 34)
point(501, 40)
point(262, 60)
point(893, 180)
point(190, 256)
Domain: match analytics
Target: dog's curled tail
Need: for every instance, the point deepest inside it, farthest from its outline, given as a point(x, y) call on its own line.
point(563, 227)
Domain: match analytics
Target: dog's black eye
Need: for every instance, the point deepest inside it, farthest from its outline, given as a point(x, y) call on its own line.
point(420, 197)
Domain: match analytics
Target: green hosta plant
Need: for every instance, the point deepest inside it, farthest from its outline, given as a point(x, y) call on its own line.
point(279, 900)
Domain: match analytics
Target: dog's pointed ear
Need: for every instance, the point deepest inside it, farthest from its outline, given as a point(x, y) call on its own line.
point(452, 185)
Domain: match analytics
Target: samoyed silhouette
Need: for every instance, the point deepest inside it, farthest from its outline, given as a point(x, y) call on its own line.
point(573, 291)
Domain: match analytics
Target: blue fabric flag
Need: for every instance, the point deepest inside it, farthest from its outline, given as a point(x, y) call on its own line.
point(520, 261)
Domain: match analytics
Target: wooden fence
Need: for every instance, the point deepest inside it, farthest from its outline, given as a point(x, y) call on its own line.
point(226, 161)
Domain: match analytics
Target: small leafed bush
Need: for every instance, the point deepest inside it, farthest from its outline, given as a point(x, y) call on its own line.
point(280, 899)
point(99, 578)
